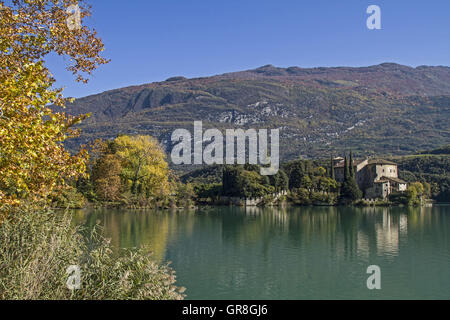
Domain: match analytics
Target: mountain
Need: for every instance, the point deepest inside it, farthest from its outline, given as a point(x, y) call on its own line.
point(385, 109)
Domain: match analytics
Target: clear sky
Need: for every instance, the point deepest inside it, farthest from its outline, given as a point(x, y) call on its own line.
point(152, 40)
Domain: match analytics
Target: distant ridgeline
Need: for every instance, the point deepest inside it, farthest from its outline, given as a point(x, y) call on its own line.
point(381, 110)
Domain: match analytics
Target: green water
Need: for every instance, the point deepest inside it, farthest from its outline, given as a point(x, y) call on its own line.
point(293, 253)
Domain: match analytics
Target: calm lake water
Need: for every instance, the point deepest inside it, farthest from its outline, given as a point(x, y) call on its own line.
point(293, 252)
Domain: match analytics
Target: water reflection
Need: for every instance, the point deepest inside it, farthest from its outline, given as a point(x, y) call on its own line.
point(352, 231)
point(270, 252)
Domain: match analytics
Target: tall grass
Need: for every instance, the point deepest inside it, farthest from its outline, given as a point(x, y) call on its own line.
point(37, 247)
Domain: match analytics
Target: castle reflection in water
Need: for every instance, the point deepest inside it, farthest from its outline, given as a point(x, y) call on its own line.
point(350, 232)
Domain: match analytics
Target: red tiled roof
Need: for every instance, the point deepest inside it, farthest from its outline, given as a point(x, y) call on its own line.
point(381, 161)
point(397, 180)
point(370, 161)
point(341, 164)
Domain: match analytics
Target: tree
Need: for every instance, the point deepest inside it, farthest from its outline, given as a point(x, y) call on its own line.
point(144, 165)
point(230, 182)
point(324, 184)
point(207, 190)
point(33, 161)
point(418, 187)
point(238, 182)
point(414, 193)
point(346, 172)
point(350, 191)
point(296, 176)
point(184, 194)
point(351, 168)
point(280, 181)
point(306, 182)
point(106, 177)
point(332, 174)
point(284, 181)
point(427, 189)
point(320, 171)
point(251, 185)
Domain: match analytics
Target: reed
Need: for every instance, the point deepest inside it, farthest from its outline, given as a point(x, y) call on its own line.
point(36, 248)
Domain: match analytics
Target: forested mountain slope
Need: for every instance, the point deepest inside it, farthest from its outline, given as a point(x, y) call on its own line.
point(382, 109)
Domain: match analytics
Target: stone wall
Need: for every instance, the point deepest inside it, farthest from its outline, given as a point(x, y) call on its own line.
point(386, 170)
point(241, 201)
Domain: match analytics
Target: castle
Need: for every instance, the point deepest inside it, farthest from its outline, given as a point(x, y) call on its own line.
point(377, 178)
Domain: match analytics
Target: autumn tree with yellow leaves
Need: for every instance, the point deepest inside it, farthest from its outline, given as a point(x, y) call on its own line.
point(33, 161)
point(144, 164)
point(132, 167)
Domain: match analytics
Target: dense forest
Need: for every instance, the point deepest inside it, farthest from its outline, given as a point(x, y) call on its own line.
point(433, 169)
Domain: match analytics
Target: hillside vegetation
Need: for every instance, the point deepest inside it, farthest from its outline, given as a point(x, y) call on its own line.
point(431, 168)
point(388, 109)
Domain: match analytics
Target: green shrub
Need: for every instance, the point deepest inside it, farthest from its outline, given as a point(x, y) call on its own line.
point(68, 198)
point(300, 196)
point(36, 248)
point(399, 198)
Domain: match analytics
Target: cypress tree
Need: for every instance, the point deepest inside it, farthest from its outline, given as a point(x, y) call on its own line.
point(283, 180)
point(296, 175)
point(346, 173)
point(332, 175)
point(351, 169)
point(349, 190)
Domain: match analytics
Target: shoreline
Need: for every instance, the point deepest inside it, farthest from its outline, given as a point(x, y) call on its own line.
point(282, 204)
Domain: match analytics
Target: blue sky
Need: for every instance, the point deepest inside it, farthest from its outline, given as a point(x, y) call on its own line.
point(152, 40)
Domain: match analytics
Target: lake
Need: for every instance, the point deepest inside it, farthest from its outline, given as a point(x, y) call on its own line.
point(292, 252)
